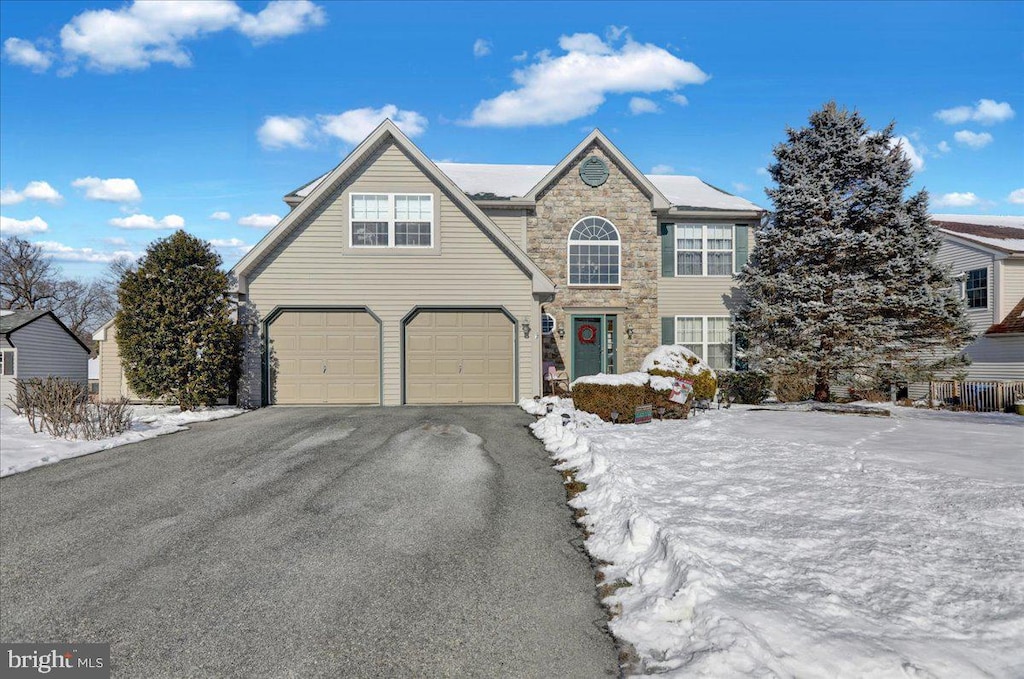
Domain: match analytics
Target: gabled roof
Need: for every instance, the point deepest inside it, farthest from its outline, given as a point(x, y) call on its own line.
point(9, 322)
point(1013, 323)
point(1004, 234)
point(386, 131)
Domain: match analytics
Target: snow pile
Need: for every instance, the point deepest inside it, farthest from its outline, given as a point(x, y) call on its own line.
point(637, 379)
point(806, 544)
point(674, 357)
point(21, 449)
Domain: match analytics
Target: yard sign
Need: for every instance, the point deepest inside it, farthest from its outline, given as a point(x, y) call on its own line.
point(643, 414)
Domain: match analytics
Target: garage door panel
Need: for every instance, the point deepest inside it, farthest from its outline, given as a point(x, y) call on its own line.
point(330, 357)
point(459, 357)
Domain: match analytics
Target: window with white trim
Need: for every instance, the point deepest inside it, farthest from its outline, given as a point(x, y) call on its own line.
point(710, 337)
point(594, 253)
point(381, 220)
point(704, 249)
point(7, 362)
point(976, 288)
point(547, 325)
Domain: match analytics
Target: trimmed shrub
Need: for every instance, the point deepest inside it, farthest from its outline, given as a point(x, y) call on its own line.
point(61, 408)
point(705, 383)
point(793, 386)
point(602, 399)
point(747, 386)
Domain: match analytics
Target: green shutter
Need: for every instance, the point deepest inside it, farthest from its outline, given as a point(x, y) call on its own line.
point(668, 329)
point(668, 255)
point(742, 246)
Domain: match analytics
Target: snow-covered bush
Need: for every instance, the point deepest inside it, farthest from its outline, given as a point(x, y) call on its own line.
point(678, 362)
point(747, 386)
point(603, 394)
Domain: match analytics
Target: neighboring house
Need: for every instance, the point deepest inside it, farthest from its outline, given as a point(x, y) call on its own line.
point(35, 343)
point(987, 256)
point(112, 383)
point(397, 280)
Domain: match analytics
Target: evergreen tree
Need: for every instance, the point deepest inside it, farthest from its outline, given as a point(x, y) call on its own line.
point(174, 328)
point(843, 279)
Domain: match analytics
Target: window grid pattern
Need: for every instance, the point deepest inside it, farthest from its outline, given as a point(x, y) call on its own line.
point(594, 253)
point(976, 289)
point(704, 250)
point(547, 324)
point(392, 220)
point(709, 337)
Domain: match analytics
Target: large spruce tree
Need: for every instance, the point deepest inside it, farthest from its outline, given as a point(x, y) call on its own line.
point(843, 279)
point(175, 333)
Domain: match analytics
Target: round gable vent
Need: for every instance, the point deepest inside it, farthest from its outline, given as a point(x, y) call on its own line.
point(593, 171)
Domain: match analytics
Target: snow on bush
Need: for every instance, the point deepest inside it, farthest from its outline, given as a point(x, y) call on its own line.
point(637, 379)
point(675, 358)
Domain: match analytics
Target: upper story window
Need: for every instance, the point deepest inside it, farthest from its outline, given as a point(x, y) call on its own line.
point(594, 253)
point(976, 288)
point(704, 249)
point(380, 220)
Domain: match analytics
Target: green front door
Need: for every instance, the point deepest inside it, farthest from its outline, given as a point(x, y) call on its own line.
point(588, 345)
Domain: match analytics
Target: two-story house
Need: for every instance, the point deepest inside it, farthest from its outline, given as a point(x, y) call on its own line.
point(987, 256)
point(395, 279)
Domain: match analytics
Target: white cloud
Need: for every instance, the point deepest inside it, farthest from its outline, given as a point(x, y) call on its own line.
point(19, 227)
point(24, 53)
point(957, 200)
point(279, 19)
point(259, 221)
point(143, 33)
point(117, 240)
point(114, 190)
point(986, 112)
point(662, 169)
point(139, 221)
point(740, 187)
point(614, 32)
point(641, 105)
point(221, 216)
point(278, 132)
point(522, 56)
point(975, 140)
point(353, 126)
point(34, 190)
point(679, 99)
point(915, 158)
point(943, 147)
point(575, 84)
point(481, 48)
point(762, 172)
point(234, 247)
point(1016, 197)
point(66, 253)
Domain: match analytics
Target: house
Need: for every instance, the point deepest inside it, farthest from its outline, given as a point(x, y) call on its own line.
point(35, 344)
point(397, 280)
point(987, 256)
point(113, 385)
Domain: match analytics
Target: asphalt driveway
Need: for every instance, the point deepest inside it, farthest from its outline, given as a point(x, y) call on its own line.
point(341, 542)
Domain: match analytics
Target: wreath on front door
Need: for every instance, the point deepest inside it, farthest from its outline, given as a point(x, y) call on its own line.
point(587, 334)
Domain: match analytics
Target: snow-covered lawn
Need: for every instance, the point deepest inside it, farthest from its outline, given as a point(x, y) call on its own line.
point(808, 544)
point(21, 450)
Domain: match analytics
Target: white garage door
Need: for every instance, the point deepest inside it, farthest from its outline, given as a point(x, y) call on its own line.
point(328, 357)
point(459, 357)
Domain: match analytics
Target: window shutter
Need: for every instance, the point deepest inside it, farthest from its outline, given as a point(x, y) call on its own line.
point(668, 254)
point(742, 240)
point(668, 329)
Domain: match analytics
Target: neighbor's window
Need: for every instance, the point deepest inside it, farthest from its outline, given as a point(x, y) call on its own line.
point(382, 220)
point(594, 253)
point(704, 249)
point(6, 362)
point(709, 337)
point(976, 289)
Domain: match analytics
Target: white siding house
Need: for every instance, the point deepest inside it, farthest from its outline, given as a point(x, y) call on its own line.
point(35, 343)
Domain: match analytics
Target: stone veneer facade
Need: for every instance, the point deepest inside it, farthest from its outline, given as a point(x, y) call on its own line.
point(619, 200)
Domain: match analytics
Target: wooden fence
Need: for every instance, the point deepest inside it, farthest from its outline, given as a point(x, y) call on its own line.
point(976, 396)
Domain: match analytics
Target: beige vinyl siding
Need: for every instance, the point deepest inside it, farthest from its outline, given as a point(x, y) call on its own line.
point(46, 349)
point(695, 296)
point(313, 266)
point(997, 357)
point(965, 258)
point(113, 384)
point(512, 222)
point(1011, 285)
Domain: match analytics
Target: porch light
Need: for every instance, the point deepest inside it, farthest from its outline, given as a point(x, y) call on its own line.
point(526, 327)
point(561, 333)
point(629, 331)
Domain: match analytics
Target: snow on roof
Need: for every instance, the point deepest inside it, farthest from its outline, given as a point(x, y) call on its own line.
point(1001, 232)
point(515, 181)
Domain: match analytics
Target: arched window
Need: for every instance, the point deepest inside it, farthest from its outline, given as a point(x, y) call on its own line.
point(594, 253)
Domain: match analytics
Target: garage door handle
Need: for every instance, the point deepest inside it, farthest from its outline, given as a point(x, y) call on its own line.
point(460, 366)
point(323, 366)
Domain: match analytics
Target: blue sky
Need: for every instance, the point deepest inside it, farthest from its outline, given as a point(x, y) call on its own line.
point(213, 111)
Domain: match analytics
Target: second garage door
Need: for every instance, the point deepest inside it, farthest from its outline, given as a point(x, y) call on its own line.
point(328, 357)
point(459, 357)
